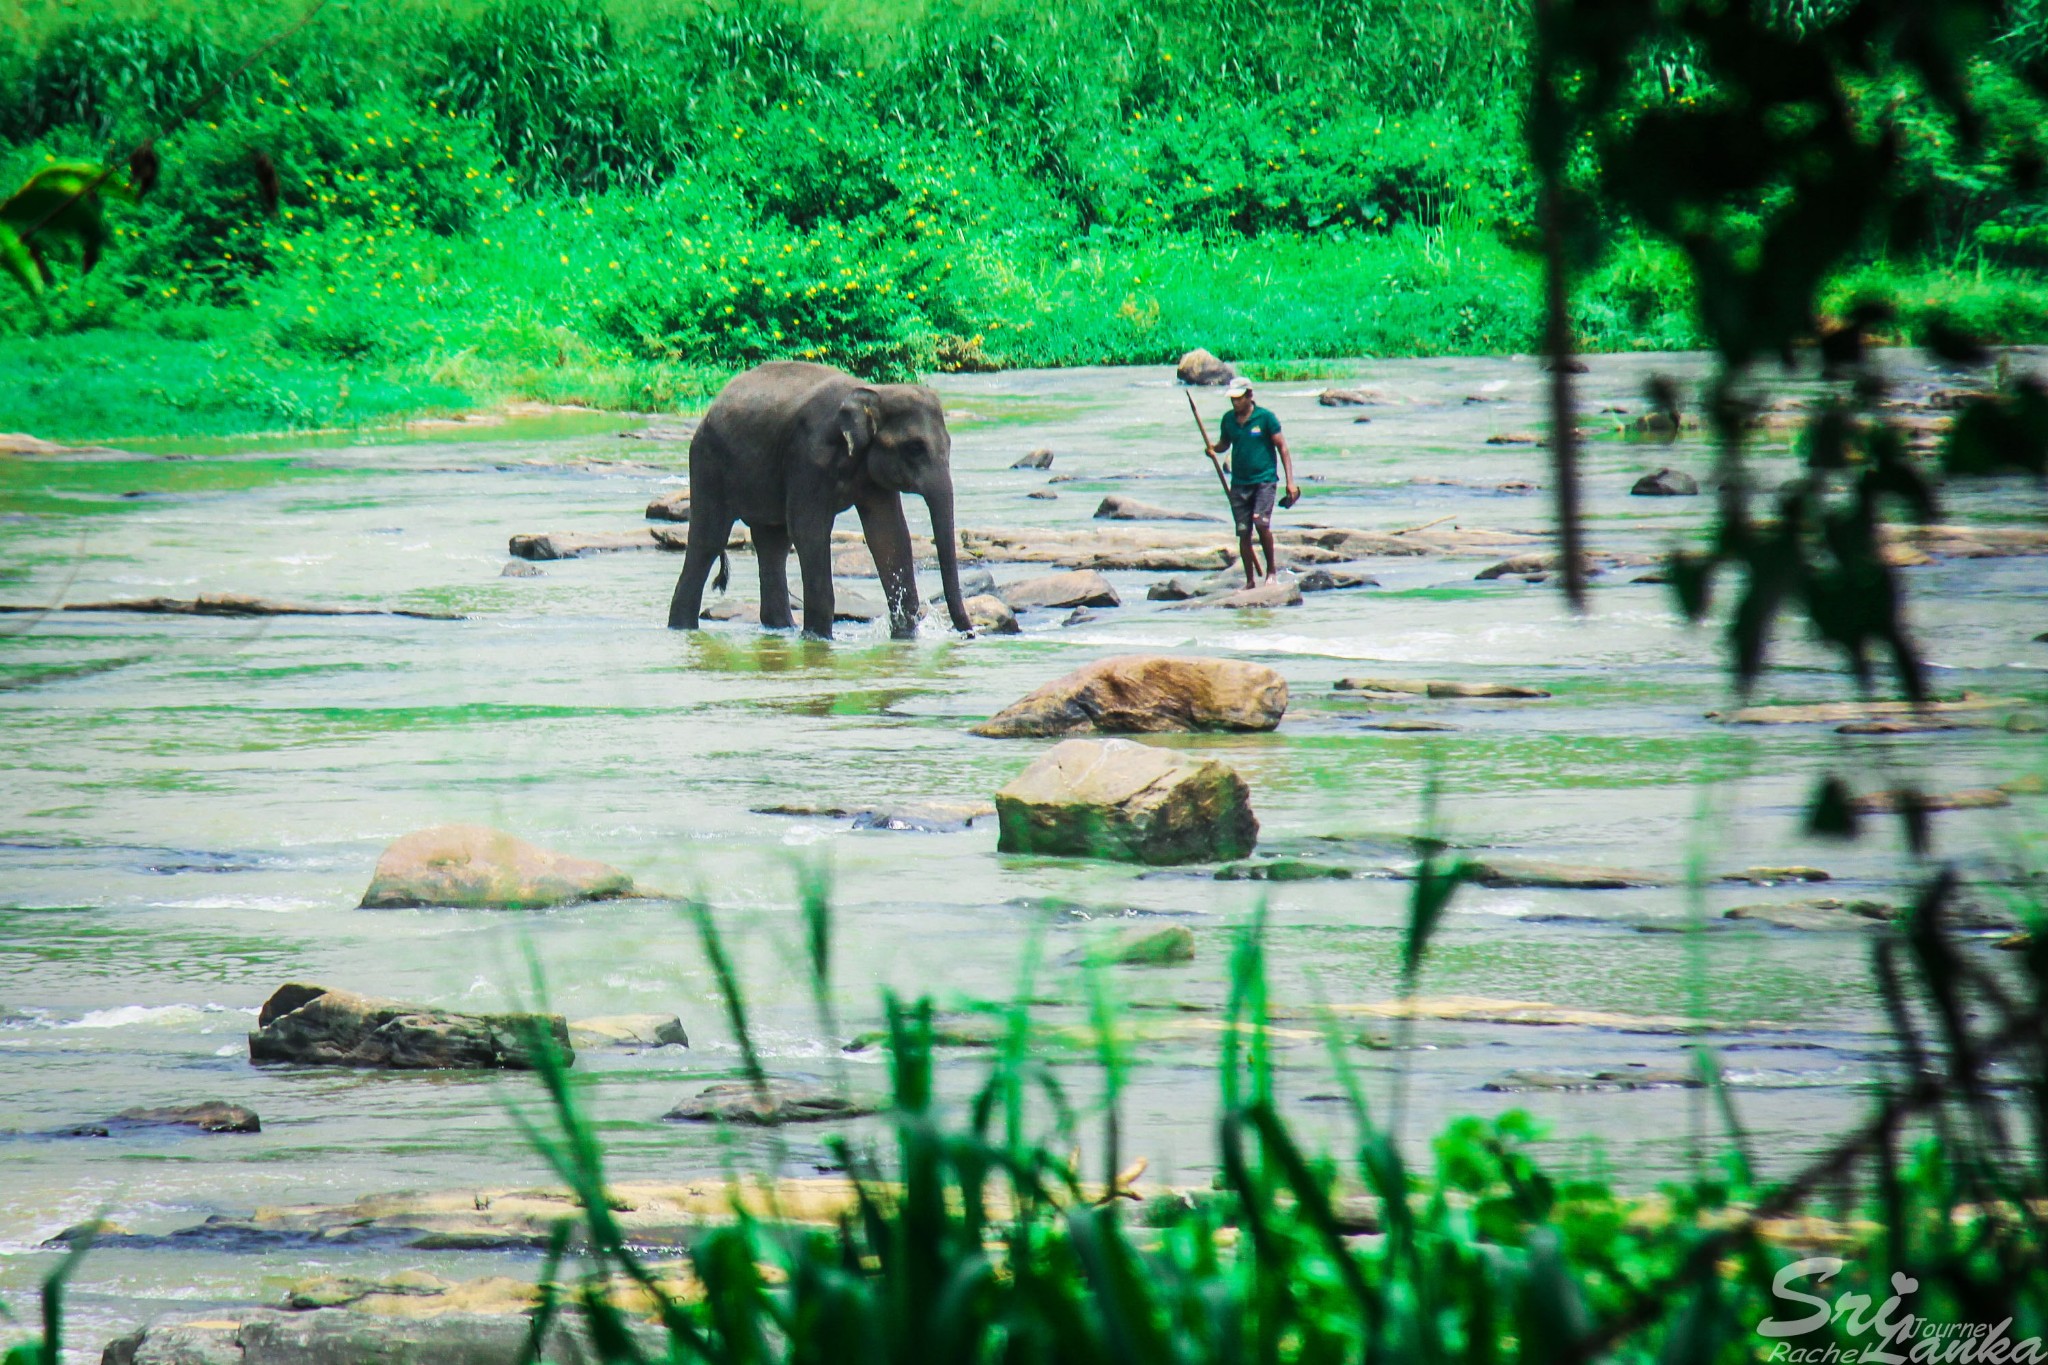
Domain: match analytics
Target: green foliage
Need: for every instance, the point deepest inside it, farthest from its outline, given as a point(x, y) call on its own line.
point(617, 203)
point(974, 1238)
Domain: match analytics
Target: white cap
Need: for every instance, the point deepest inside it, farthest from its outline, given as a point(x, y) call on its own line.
point(1237, 386)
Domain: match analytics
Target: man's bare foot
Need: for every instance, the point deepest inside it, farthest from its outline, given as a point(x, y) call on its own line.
point(1271, 579)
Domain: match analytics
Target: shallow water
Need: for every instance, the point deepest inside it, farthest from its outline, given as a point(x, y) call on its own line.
point(192, 806)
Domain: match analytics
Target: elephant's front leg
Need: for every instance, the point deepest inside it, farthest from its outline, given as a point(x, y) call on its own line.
point(771, 551)
point(888, 535)
point(813, 536)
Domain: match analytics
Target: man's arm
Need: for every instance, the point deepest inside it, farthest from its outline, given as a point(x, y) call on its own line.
point(1286, 463)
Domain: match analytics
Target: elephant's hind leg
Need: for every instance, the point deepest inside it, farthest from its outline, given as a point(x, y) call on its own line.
point(708, 533)
point(771, 548)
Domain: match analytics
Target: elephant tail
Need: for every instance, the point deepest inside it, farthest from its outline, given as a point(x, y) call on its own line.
point(724, 571)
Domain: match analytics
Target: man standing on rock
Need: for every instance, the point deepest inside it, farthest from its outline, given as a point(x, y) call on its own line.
point(1252, 434)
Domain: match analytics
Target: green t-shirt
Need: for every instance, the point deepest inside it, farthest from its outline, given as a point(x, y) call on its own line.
point(1252, 458)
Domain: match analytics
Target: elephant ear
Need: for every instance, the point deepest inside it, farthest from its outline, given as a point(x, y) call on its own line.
point(857, 423)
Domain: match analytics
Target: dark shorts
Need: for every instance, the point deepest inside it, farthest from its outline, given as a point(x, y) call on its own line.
point(1252, 504)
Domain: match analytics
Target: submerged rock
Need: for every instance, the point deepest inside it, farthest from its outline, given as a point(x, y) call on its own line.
point(1199, 366)
point(1666, 483)
point(771, 1105)
point(1117, 507)
point(1172, 590)
point(1078, 588)
point(1080, 616)
point(1330, 580)
point(1773, 876)
point(1147, 694)
point(1040, 458)
point(1633, 1077)
point(1043, 495)
point(352, 1336)
point(1283, 593)
point(476, 867)
point(628, 1030)
point(1144, 945)
point(316, 1026)
point(227, 604)
point(1825, 914)
point(1282, 870)
point(1112, 798)
point(1475, 1009)
point(1434, 688)
point(207, 1116)
point(519, 568)
point(973, 1030)
point(1836, 712)
point(1521, 872)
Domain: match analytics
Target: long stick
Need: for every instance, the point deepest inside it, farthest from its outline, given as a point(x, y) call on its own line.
point(1250, 544)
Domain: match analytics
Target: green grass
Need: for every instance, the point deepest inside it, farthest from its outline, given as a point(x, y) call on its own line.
point(619, 206)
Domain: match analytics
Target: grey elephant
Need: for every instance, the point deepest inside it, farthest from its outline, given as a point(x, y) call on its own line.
point(786, 448)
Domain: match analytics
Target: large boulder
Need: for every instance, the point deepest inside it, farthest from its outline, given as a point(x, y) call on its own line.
point(315, 1026)
point(1077, 588)
point(1147, 694)
point(482, 868)
point(1201, 367)
point(1112, 798)
point(1117, 507)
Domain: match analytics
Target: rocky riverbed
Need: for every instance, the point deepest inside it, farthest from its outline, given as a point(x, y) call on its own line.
point(200, 790)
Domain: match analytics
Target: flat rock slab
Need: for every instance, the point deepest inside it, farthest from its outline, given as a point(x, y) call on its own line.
point(209, 1116)
point(651, 1213)
point(1080, 588)
point(412, 1294)
point(476, 867)
point(1837, 712)
point(1898, 799)
point(1415, 687)
point(1408, 727)
point(1526, 566)
point(229, 604)
point(1117, 507)
point(1248, 599)
point(1621, 1078)
point(574, 545)
point(1519, 872)
point(21, 443)
point(1334, 580)
point(1112, 798)
point(316, 1026)
point(1473, 1009)
point(349, 1336)
point(1147, 694)
point(1190, 559)
point(778, 1102)
point(1827, 915)
point(628, 1031)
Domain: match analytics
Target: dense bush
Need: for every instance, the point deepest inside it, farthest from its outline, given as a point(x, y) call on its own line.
point(706, 183)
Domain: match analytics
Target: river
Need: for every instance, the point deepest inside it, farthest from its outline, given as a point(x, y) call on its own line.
point(192, 806)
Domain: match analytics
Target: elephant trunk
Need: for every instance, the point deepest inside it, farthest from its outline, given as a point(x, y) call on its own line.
point(938, 497)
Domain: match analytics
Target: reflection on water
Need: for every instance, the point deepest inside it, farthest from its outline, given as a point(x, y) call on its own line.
point(193, 805)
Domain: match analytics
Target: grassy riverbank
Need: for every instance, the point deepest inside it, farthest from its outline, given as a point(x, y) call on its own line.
point(619, 206)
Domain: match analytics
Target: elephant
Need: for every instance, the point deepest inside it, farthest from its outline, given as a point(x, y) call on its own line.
point(787, 447)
